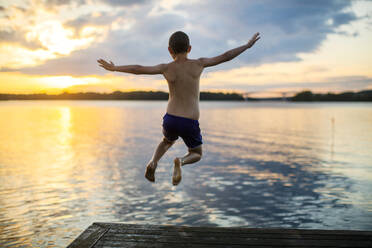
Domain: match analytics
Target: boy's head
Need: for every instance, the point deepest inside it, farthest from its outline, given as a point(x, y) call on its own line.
point(179, 43)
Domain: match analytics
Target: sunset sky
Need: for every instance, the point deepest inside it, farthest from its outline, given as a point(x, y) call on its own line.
point(52, 45)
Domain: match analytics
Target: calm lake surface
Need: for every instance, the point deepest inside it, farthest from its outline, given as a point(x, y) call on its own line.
point(67, 164)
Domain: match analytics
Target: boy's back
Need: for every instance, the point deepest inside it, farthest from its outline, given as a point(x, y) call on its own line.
point(183, 76)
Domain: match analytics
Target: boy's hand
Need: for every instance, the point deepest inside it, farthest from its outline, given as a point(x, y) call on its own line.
point(108, 66)
point(253, 40)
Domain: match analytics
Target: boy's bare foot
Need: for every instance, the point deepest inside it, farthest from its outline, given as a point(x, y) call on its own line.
point(150, 171)
point(176, 179)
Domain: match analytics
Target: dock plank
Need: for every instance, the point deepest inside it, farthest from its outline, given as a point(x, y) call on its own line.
point(109, 235)
point(89, 237)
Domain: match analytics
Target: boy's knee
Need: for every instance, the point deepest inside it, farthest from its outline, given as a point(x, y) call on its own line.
point(200, 156)
point(197, 150)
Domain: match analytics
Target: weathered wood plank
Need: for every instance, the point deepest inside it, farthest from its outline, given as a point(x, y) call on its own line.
point(193, 233)
point(171, 245)
point(109, 235)
point(211, 240)
point(231, 229)
point(89, 237)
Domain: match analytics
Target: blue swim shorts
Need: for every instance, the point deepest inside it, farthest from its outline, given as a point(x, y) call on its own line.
point(187, 129)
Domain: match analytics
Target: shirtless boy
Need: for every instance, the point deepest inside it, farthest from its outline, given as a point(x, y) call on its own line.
point(181, 118)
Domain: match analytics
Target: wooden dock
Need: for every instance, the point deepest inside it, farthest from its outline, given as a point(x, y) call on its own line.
point(109, 235)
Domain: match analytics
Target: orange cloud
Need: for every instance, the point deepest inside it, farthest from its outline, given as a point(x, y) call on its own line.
point(37, 34)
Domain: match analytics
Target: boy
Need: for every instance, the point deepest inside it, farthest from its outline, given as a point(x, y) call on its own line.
point(181, 118)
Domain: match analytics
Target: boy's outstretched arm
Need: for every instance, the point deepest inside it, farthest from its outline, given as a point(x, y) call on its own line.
point(229, 55)
point(134, 69)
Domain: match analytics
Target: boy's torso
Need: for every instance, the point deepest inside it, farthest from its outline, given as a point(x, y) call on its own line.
point(183, 81)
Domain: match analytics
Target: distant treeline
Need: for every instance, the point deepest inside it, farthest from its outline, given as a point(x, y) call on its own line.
point(119, 95)
point(305, 96)
point(308, 96)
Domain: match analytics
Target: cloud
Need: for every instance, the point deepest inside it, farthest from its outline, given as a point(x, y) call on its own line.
point(138, 31)
point(11, 36)
point(32, 34)
point(332, 84)
point(287, 27)
point(62, 2)
point(133, 48)
point(123, 2)
point(343, 18)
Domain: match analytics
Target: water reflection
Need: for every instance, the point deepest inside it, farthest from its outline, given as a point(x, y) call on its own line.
point(65, 164)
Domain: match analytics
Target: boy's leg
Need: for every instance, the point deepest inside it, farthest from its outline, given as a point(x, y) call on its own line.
point(194, 155)
point(163, 146)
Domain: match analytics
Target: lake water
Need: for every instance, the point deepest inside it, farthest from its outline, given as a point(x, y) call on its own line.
point(67, 164)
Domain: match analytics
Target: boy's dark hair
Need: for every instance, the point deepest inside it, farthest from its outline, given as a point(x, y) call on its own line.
point(179, 42)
